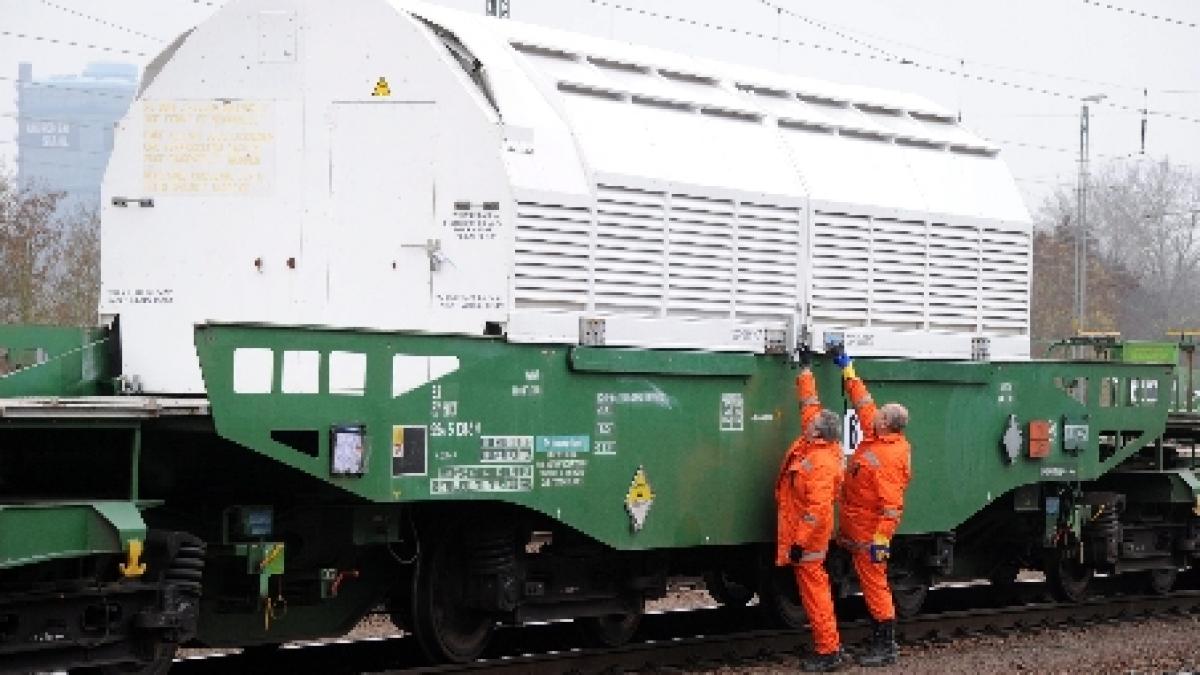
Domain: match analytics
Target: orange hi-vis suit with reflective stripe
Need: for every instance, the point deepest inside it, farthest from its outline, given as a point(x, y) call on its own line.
point(808, 484)
point(873, 499)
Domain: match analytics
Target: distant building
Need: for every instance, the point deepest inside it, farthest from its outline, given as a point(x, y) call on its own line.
point(65, 127)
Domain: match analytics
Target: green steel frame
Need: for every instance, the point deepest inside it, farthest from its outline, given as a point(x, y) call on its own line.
point(564, 430)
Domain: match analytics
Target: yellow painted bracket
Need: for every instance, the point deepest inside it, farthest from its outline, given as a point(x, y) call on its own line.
point(263, 560)
point(133, 567)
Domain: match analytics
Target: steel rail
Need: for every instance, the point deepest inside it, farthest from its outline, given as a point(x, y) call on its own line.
point(691, 640)
point(755, 645)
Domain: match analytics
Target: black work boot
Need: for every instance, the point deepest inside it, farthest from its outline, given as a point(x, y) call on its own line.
point(823, 663)
point(882, 650)
point(865, 646)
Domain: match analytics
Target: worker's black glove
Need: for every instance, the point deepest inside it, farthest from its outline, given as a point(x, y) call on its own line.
point(836, 351)
point(804, 356)
point(795, 554)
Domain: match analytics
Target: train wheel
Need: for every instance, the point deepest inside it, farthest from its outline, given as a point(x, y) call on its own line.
point(1067, 577)
point(1004, 584)
point(447, 629)
point(400, 603)
point(908, 595)
point(780, 598)
point(726, 590)
point(160, 655)
point(1161, 581)
point(612, 630)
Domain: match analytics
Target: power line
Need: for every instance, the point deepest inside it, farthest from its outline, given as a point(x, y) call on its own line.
point(960, 60)
point(962, 63)
point(58, 165)
point(1033, 89)
point(1062, 183)
point(829, 28)
point(70, 88)
point(1043, 181)
point(1052, 148)
point(1144, 15)
point(72, 43)
point(20, 147)
point(1074, 115)
point(30, 118)
point(1127, 157)
point(100, 21)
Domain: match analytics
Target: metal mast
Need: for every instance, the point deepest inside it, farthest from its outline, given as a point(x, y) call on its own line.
point(498, 8)
point(1081, 230)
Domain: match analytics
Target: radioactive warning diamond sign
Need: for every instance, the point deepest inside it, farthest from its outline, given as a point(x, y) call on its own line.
point(639, 499)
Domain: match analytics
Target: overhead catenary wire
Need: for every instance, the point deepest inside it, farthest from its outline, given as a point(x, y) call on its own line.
point(1127, 157)
point(957, 59)
point(1144, 15)
point(81, 125)
point(1062, 183)
point(1052, 148)
point(67, 151)
point(102, 22)
point(1033, 89)
point(72, 43)
point(962, 62)
point(1072, 115)
point(62, 165)
point(1065, 183)
point(830, 28)
point(67, 85)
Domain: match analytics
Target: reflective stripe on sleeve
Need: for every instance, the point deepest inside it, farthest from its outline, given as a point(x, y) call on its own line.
point(863, 401)
point(806, 465)
point(809, 518)
point(891, 513)
point(810, 556)
point(871, 458)
point(810, 400)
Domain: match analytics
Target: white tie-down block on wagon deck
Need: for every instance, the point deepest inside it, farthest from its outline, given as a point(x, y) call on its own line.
point(396, 166)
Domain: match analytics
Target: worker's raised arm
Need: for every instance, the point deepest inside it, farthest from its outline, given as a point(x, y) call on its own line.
point(857, 392)
point(806, 394)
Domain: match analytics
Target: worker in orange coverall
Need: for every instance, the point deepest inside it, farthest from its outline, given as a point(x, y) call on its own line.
point(808, 484)
point(872, 504)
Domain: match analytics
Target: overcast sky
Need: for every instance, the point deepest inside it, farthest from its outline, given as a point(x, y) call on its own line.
point(1075, 48)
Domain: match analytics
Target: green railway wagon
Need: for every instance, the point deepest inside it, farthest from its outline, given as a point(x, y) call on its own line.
point(662, 462)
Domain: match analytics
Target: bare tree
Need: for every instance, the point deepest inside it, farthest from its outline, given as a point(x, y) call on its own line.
point(1051, 305)
point(74, 289)
point(50, 261)
point(1142, 228)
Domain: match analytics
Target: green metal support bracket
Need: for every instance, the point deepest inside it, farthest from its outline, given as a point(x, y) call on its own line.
point(32, 533)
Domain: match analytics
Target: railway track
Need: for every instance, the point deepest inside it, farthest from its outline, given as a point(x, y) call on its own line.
point(695, 639)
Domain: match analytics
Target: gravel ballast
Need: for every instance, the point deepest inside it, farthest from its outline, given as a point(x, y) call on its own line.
point(1160, 645)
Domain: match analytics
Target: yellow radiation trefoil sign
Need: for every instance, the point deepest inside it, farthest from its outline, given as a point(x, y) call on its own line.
point(639, 499)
